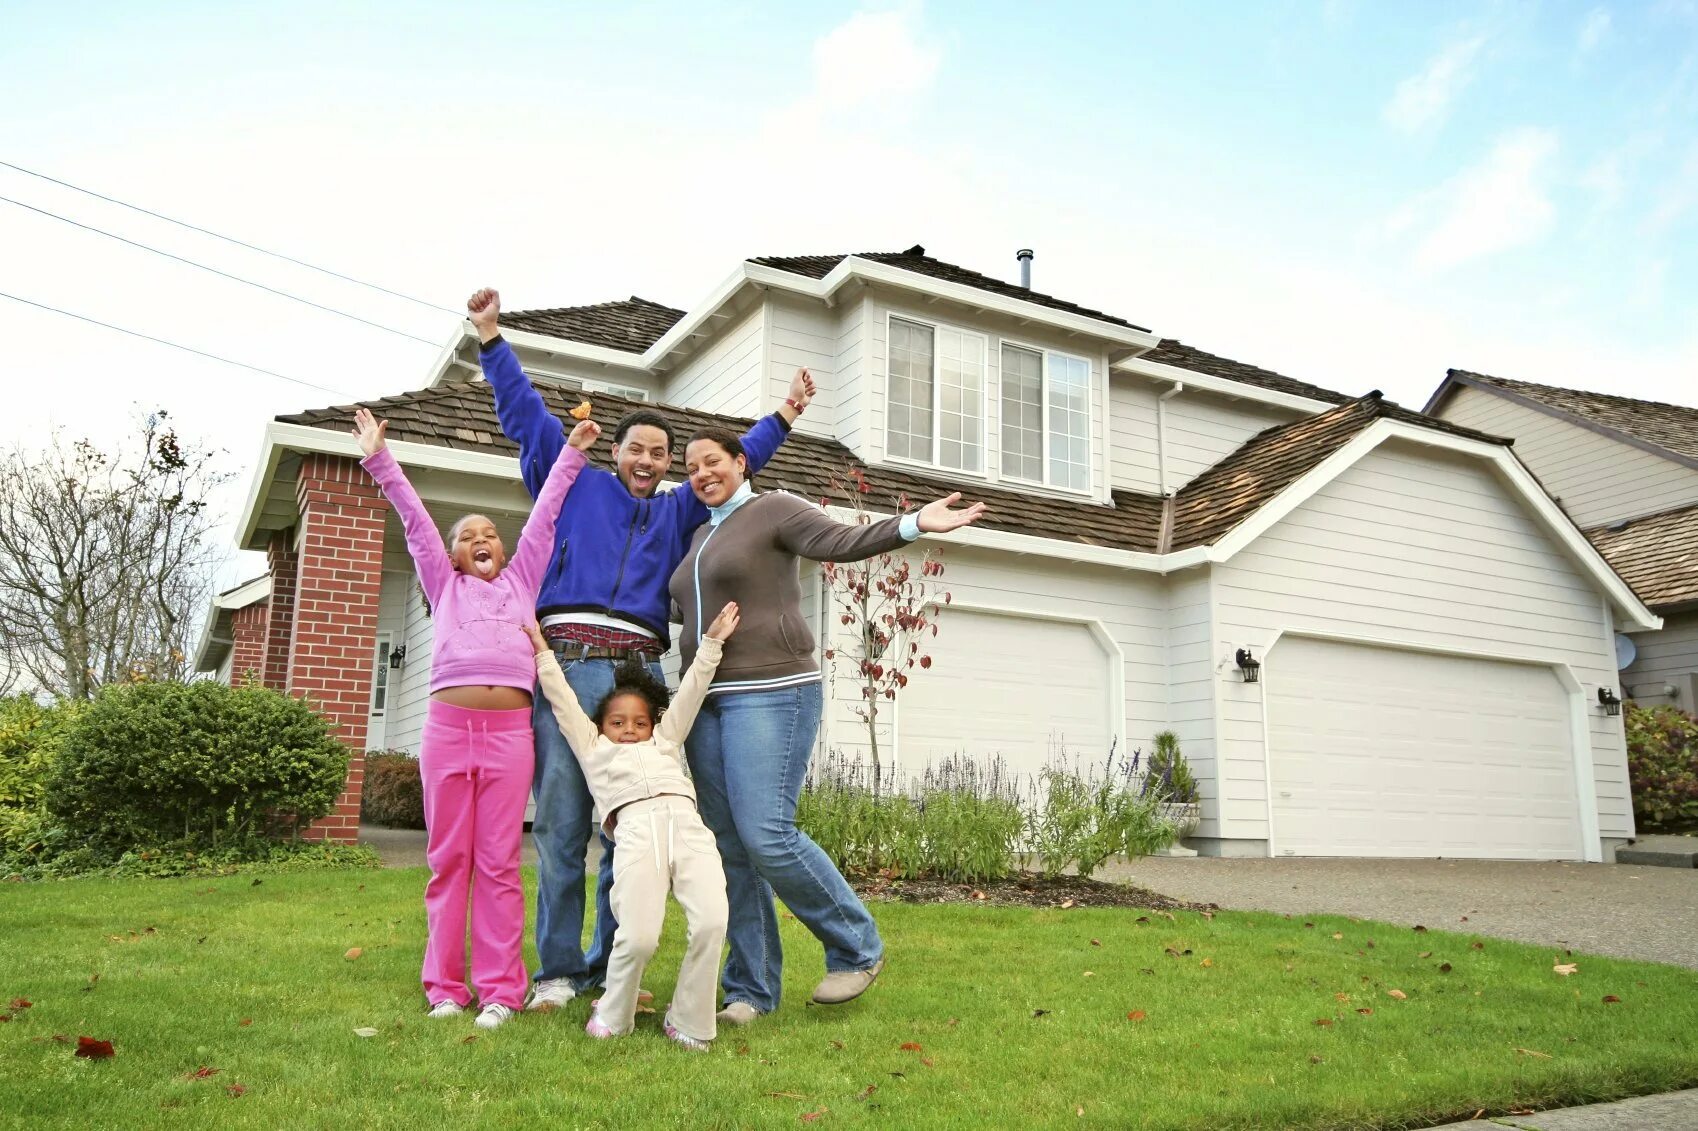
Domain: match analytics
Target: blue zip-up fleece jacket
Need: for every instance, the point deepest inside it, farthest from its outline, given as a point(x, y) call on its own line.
point(613, 552)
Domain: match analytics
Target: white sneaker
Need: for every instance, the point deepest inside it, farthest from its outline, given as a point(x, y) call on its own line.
point(446, 1009)
point(551, 993)
point(493, 1016)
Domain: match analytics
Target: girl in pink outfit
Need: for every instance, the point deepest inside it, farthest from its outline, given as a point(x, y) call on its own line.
point(477, 754)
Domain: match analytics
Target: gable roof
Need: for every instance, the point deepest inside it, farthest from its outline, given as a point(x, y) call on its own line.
point(1178, 354)
point(1657, 555)
point(1668, 429)
point(632, 324)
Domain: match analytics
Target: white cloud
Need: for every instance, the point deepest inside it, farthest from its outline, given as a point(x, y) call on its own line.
point(1594, 28)
point(1424, 99)
point(872, 57)
point(1500, 203)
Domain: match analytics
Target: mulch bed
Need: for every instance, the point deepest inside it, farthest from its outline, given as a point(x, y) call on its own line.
point(1023, 889)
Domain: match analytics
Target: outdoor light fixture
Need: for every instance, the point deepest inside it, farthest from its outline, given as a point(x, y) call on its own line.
point(397, 657)
point(1608, 701)
point(1249, 665)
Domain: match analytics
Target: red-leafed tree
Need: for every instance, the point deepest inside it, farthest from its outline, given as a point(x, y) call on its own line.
point(888, 606)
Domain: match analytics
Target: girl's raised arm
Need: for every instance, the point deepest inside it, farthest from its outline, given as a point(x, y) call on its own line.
point(424, 540)
point(536, 541)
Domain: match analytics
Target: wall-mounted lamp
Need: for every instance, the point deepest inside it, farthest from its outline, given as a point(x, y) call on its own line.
point(397, 657)
point(1608, 701)
point(1249, 665)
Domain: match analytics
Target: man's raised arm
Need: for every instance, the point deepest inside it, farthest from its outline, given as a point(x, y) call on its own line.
point(524, 416)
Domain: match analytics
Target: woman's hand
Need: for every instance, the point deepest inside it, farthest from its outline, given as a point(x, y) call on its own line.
point(725, 623)
point(802, 389)
point(370, 431)
point(538, 640)
point(936, 517)
point(585, 435)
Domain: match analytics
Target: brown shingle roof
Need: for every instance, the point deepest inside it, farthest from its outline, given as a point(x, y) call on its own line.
point(1657, 555)
point(916, 260)
point(633, 324)
point(1211, 505)
point(1172, 352)
point(1669, 426)
point(461, 415)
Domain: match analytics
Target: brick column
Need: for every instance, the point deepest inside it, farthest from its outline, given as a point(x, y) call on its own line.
point(247, 649)
point(280, 608)
point(339, 575)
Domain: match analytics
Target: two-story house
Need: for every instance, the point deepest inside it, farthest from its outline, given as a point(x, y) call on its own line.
point(1371, 629)
point(1627, 471)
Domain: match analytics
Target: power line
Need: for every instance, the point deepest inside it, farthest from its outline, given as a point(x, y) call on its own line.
point(231, 239)
point(175, 345)
point(216, 271)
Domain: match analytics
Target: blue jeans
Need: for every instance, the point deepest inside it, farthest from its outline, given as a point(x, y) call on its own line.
point(562, 827)
point(748, 756)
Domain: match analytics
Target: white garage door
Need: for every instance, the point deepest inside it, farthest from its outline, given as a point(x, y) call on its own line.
point(1381, 752)
point(1008, 685)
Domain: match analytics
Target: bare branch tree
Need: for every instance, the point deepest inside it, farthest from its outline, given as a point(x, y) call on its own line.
point(106, 559)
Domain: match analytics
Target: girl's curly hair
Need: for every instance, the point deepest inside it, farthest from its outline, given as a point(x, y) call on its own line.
point(632, 677)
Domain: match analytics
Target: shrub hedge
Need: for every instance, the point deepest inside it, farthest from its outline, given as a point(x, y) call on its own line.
point(1662, 764)
point(392, 793)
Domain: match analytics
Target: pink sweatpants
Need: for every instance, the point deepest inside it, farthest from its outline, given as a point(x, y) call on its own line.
point(476, 768)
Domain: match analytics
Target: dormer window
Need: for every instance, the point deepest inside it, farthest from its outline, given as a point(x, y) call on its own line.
point(937, 395)
point(1046, 417)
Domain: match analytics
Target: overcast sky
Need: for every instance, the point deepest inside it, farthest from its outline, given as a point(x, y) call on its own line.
point(1359, 195)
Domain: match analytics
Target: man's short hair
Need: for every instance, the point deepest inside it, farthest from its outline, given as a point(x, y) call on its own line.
point(640, 417)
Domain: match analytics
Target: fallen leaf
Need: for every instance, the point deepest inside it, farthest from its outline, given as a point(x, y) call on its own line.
point(1398, 994)
point(1309, 925)
point(910, 1046)
point(237, 1091)
point(1337, 935)
point(1066, 903)
point(1316, 1059)
point(1147, 970)
point(954, 1021)
point(1341, 997)
point(900, 1075)
point(978, 894)
point(21, 1003)
point(1207, 914)
point(1566, 968)
point(1142, 919)
point(1136, 1015)
point(869, 1090)
point(201, 1073)
point(1365, 1012)
point(90, 1049)
point(256, 883)
point(835, 1044)
point(1208, 962)
point(812, 1116)
point(1096, 942)
point(1420, 930)
point(352, 953)
point(1039, 1012)
point(1477, 946)
point(1079, 1110)
point(783, 1096)
point(926, 1060)
point(1528, 1110)
point(1089, 974)
point(1464, 919)
point(645, 1009)
point(1611, 999)
point(1444, 968)
point(365, 1031)
point(1534, 1052)
point(245, 1022)
point(1324, 1022)
point(1425, 954)
point(468, 1038)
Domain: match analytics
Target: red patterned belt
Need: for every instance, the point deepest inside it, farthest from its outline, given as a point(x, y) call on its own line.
point(600, 642)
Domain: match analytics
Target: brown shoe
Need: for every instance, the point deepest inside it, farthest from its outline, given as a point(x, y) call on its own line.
point(737, 1013)
point(846, 985)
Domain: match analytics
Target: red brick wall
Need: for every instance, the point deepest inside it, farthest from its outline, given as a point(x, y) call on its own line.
point(247, 650)
point(280, 608)
point(338, 575)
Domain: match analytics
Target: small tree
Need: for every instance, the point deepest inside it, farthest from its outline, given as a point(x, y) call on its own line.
point(890, 610)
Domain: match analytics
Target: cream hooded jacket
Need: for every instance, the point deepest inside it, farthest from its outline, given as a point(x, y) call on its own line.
point(622, 772)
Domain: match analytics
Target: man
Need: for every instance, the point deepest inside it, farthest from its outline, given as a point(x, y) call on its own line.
point(604, 600)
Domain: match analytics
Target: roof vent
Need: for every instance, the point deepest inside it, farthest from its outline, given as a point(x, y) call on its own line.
point(915, 250)
point(1024, 255)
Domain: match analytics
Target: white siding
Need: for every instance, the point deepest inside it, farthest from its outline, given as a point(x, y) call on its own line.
point(852, 400)
point(555, 369)
point(1205, 428)
point(725, 376)
point(1596, 479)
point(804, 334)
point(409, 688)
point(1132, 435)
point(1191, 681)
point(1667, 657)
point(1416, 547)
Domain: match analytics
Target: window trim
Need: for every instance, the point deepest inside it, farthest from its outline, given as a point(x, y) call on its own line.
point(984, 437)
point(383, 643)
point(1043, 353)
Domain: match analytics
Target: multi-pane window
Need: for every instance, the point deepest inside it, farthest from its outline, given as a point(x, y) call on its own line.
point(937, 395)
point(380, 676)
point(1046, 417)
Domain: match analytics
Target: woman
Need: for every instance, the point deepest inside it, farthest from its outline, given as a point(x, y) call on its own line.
point(750, 747)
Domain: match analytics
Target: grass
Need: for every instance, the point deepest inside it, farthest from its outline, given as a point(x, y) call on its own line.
point(1228, 1038)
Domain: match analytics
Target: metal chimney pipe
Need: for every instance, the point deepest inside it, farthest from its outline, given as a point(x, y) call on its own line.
point(1024, 255)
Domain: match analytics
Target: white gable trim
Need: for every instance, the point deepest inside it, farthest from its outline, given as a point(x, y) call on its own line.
point(1193, 379)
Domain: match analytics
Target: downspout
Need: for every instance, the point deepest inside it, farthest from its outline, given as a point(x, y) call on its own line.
point(1161, 436)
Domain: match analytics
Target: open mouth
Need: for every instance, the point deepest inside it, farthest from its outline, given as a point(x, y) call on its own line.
point(483, 561)
point(642, 480)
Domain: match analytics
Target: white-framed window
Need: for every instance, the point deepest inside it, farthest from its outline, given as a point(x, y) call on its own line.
point(936, 395)
point(588, 384)
point(1046, 417)
point(380, 676)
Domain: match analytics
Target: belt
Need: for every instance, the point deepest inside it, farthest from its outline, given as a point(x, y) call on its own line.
point(572, 649)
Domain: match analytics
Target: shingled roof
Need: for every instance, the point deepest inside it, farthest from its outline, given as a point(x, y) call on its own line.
point(1671, 427)
point(633, 324)
point(916, 260)
point(1208, 507)
point(1656, 555)
point(461, 415)
point(1172, 352)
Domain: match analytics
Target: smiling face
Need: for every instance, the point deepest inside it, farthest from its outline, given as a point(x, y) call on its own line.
point(715, 474)
point(626, 719)
point(642, 458)
point(475, 546)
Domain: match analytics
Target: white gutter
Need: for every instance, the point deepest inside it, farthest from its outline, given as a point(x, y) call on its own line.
point(1161, 436)
point(1208, 382)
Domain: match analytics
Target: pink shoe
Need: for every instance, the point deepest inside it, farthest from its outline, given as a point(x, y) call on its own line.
point(595, 1026)
point(688, 1042)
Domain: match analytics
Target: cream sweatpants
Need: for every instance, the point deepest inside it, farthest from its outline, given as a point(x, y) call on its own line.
point(661, 844)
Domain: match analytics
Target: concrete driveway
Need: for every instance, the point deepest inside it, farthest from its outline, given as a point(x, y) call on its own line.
point(1624, 910)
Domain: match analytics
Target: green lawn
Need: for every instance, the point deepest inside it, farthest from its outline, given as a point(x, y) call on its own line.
point(251, 979)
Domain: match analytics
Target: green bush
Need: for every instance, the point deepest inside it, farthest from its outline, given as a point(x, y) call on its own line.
point(1169, 771)
point(392, 793)
point(197, 764)
point(1662, 764)
point(1080, 820)
point(30, 737)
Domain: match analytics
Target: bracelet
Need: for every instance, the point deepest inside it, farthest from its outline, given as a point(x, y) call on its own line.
point(791, 401)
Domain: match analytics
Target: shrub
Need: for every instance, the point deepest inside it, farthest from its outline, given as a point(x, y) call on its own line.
point(392, 792)
point(1169, 771)
point(30, 737)
point(192, 764)
point(1662, 763)
point(1080, 820)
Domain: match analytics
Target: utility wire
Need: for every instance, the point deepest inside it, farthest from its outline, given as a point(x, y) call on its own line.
point(231, 239)
point(175, 345)
point(216, 271)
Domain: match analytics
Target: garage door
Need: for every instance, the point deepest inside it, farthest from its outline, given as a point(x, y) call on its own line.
point(1381, 752)
point(1007, 685)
